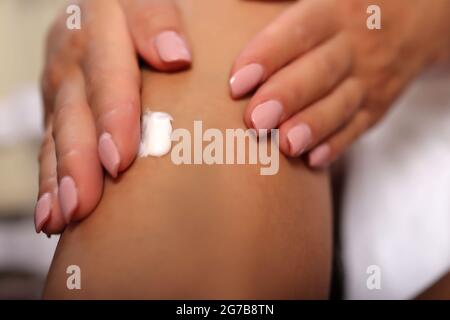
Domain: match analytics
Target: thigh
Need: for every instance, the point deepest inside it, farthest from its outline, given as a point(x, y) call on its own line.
point(203, 231)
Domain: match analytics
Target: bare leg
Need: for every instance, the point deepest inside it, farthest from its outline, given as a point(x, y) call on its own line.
point(199, 231)
point(440, 290)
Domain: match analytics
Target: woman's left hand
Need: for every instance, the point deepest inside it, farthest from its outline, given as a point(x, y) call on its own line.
point(323, 78)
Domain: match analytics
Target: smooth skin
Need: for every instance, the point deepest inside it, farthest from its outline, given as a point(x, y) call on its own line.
point(166, 231)
point(323, 77)
point(91, 87)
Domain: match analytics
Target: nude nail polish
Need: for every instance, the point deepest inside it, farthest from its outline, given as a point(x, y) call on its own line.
point(68, 197)
point(246, 79)
point(267, 115)
point(42, 211)
point(108, 153)
point(299, 138)
point(320, 156)
point(171, 47)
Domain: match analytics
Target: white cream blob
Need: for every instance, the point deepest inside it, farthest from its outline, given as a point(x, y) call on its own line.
point(156, 134)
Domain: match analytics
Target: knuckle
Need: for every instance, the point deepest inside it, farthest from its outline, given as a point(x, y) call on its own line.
point(96, 75)
point(161, 12)
point(61, 116)
point(108, 107)
point(101, 80)
point(62, 42)
point(67, 154)
point(352, 95)
point(46, 148)
point(75, 41)
point(51, 77)
point(153, 16)
point(327, 68)
point(47, 183)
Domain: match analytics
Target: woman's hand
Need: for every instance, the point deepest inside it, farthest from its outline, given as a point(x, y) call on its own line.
point(91, 88)
point(324, 78)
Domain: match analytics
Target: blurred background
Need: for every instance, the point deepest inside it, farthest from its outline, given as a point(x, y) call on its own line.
point(394, 206)
point(24, 255)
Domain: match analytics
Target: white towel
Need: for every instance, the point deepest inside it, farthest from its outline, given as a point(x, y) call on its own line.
point(396, 206)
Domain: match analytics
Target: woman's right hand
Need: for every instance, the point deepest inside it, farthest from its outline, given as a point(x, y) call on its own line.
point(91, 91)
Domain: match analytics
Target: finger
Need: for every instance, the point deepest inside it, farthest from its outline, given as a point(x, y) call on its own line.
point(324, 154)
point(299, 84)
point(63, 49)
point(157, 31)
point(113, 82)
point(79, 170)
point(299, 29)
point(47, 214)
point(309, 127)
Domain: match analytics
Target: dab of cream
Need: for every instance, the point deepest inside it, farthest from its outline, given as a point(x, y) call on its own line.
point(156, 134)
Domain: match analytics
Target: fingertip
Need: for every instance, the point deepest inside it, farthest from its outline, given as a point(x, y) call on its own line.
point(266, 115)
point(42, 211)
point(80, 189)
point(157, 31)
point(320, 157)
point(68, 198)
point(109, 154)
point(167, 51)
point(172, 48)
point(245, 79)
point(118, 143)
point(55, 223)
point(299, 139)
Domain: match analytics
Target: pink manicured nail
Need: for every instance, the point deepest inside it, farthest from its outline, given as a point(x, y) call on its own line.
point(171, 47)
point(42, 211)
point(68, 197)
point(246, 79)
point(299, 138)
point(109, 155)
point(320, 156)
point(267, 115)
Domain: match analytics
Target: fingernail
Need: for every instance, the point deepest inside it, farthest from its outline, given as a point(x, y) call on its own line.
point(42, 211)
point(68, 198)
point(320, 156)
point(108, 153)
point(246, 79)
point(171, 47)
point(299, 138)
point(267, 115)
